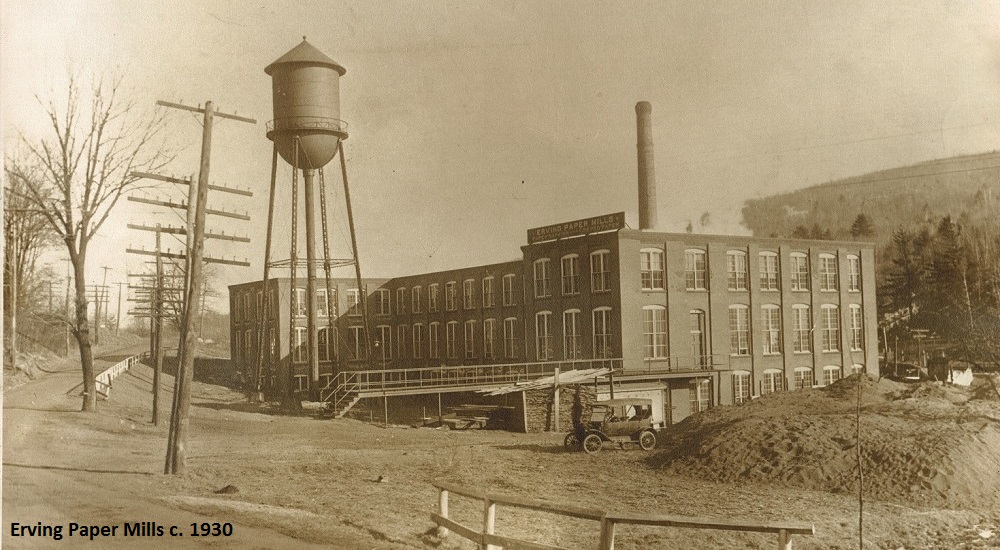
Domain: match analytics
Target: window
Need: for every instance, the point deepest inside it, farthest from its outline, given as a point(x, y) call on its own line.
point(739, 330)
point(247, 313)
point(450, 339)
point(274, 303)
point(700, 395)
point(600, 271)
point(570, 275)
point(355, 342)
point(602, 333)
point(831, 373)
point(489, 336)
point(827, 272)
point(401, 336)
point(299, 352)
point(433, 341)
point(469, 294)
point(383, 301)
point(248, 344)
point(432, 297)
point(853, 274)
point(353, 302)
point(800, 271)
point(857, 368)
point(415, 298)
point(698, 344)
point(508, 290)
point(768, 271)
point(417, 342)
point(543, 337)
point(470, 339)
point(488, 300)
point(801, 329)
point(400, 301)
point(803, 378)
point(694, 269)
point(651, 268)
point(542, 278)
point(771, 381)
point(510, 337)
point(323, 340)
point(770, 320)
point(301, 382)
point(260, 304)
point(322, 305)
point(384, 342)
point(856, 334)
point(298, 303)
point(450, 292)
point(736, 266)
point(741, 386)
point(274, 346)
point(654, 330)
point(829, 325)
point(571, 334)
point(239, 345)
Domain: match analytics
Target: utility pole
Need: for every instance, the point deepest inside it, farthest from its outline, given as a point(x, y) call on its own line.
point(176, 458)
point(118, 319)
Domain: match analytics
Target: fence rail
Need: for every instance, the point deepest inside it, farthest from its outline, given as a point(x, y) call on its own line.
point(489, 540)
point(105, 378)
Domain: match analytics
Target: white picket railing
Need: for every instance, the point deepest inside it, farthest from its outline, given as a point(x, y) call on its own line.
point(105, 378)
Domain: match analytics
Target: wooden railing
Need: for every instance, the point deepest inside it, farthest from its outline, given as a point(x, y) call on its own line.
point(489, 540)
point(105, 378)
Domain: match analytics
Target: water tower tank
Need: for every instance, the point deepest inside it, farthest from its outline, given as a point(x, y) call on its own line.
point(306, 93)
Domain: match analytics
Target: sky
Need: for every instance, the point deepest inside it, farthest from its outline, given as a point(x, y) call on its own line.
point(471, 122)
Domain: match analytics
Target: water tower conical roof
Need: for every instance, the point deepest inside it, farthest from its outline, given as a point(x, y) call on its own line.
point(306, 53)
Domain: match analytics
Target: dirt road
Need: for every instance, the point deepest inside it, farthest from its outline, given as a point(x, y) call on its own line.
point(305, 483)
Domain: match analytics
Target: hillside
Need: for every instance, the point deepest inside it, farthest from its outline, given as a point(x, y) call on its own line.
point(905, 197)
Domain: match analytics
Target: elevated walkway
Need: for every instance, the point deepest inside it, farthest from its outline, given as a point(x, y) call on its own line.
point(349, 387)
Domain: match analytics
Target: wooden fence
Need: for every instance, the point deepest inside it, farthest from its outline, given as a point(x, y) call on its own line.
point(105, 378)
point(487, 539)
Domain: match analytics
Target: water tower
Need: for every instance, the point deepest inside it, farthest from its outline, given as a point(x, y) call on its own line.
point(307, 133)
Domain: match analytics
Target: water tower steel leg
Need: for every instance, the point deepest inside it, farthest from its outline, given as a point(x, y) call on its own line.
point(330, 331)
point(293, 268)
point(363, 300)
point(311, 319)
point(254, 386)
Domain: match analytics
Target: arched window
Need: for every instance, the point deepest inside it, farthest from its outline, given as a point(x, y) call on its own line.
point(651, 268)
point(799, 270)
point(831, 373)
point(654, 329)
point(772, 380)
point(602, 333)
point(571, 334)
point(739, 330)
point(827, 272)
point(829, 325)
point(803, 377)
point(770, 325)
point(768, 271)
point(741, 386)
point(542, 278)
point(736, 267)
point(695, 269)
point(570, 274)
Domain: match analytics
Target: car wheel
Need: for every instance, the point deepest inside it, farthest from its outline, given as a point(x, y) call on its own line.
point(647, 440)
point(571, 442)
point(592, 443)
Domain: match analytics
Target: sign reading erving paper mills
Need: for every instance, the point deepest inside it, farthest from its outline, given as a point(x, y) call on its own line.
point(607, 222)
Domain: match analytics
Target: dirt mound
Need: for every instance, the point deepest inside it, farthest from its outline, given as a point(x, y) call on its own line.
point(921, 444)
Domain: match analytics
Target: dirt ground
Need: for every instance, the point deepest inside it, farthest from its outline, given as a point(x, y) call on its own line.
point(305, 483)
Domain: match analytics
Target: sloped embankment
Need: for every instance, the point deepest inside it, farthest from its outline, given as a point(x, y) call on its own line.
point(920, 444)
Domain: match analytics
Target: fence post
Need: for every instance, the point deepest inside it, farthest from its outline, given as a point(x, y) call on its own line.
point(607, 534)
point(489, 522)
point(784, 541)
point(442, 532)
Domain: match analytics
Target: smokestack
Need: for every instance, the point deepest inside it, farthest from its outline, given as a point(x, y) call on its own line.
point(647, 172)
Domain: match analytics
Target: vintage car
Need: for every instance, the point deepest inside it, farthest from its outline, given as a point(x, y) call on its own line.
point(627, 422)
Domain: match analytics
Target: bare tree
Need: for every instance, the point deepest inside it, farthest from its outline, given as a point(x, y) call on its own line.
point(26, 234)
point(78, 173)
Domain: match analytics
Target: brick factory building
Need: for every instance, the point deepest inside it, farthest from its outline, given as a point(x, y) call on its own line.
point(691, 321)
